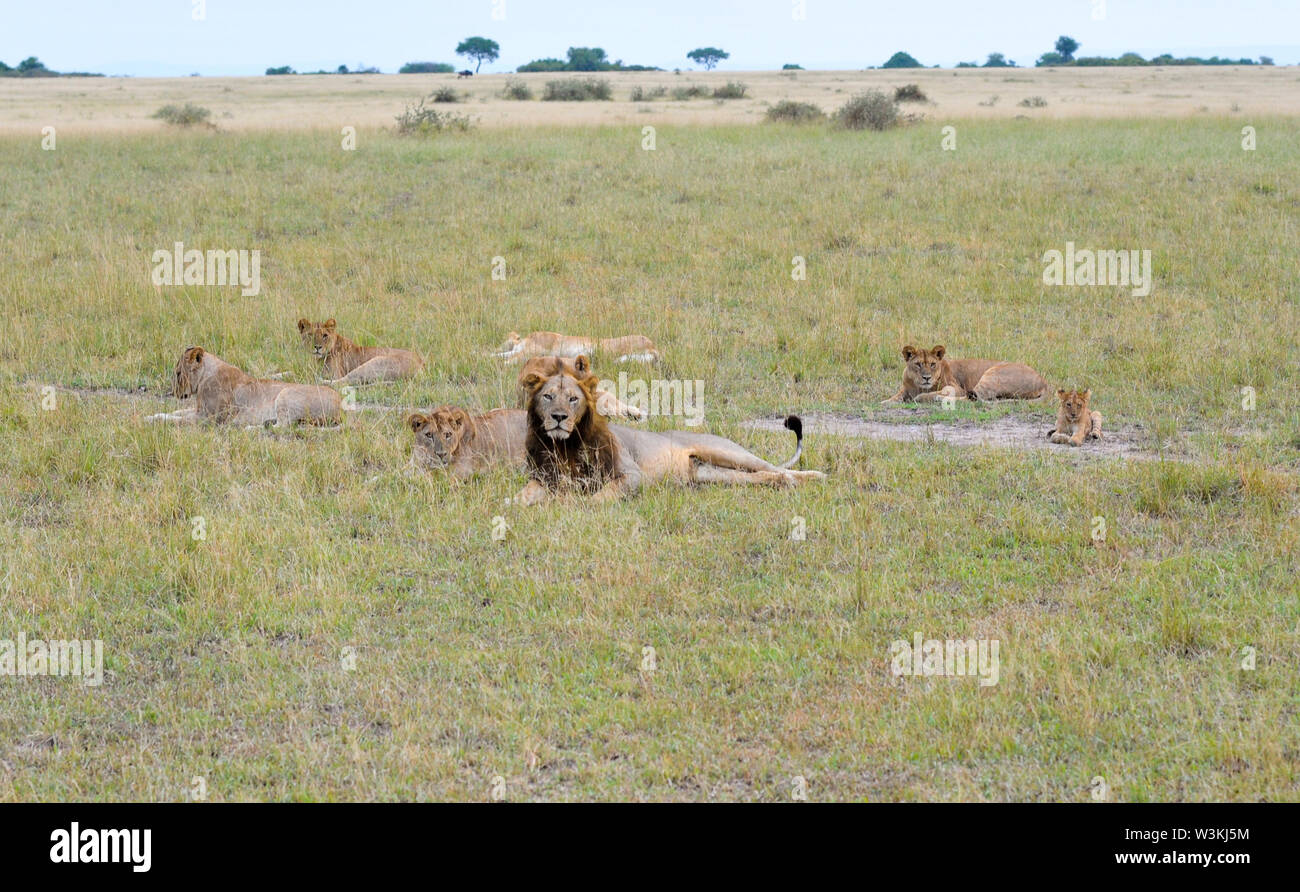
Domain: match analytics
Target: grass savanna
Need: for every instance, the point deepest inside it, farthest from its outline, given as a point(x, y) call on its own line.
point(521, 657)
point(116, 105)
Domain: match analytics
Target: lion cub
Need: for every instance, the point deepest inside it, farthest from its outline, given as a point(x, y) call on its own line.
point(349, 363)
point(463, 444)
point(1075, 422)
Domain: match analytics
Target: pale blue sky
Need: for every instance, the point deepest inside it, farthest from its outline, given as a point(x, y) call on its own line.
point(161, 37)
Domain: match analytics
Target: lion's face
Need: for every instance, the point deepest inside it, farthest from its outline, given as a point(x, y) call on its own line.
point(560, 393)
point(924, 367)
point(439, 434)
point(318, 337)
point(1074, 403)
point(512, 341)
point(185, 378)
point(559, 405)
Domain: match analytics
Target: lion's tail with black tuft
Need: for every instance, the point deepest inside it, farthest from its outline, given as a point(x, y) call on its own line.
point(794, 423)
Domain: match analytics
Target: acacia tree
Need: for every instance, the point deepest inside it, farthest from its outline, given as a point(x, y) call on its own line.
point(1066, 47)
point(708, 56)
point(480, 49)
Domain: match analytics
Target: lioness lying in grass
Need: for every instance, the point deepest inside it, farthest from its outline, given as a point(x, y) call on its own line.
point(223, 393)
point(929, 375)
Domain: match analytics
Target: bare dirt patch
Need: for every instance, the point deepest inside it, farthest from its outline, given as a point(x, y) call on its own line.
point(1007, 432)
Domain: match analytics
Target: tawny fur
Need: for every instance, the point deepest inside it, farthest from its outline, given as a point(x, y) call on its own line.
point(225, 394)
point(928, 375)
point(571, 448)
point(638, 348)
point(346, 362)
point(450, 438)
point(1076, 421)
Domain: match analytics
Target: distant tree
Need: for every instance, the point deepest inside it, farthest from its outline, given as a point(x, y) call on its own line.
point(587, 58)
point(1066, 47)
point(997, 60)
point(480, 49)
point(708, 56)
point(1049, 59)
point(31, 63)
point(968, 65)
point(342, 69)
point(551, 64)
point(788, 66)
point(1265, 60)
point(902, 60)
point(4, 67)
point(283, 69)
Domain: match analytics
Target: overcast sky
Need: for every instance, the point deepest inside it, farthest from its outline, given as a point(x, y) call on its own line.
point(233, 37)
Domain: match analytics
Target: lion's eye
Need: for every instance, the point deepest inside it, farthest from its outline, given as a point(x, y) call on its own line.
point(573, 399)
point(547, 396)
point(446, 435)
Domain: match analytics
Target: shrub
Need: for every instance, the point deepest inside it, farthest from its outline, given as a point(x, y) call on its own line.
point(445, 94)
point(790, 66)
point(871, 110)
point(910, 93)
point(577, 89)
point(183, 115)
point(427, 68)
point(418, 120)
point(544, 65)
point(732, 90)
point(795, 112)
point(283, 69)
point(640, 94)
point(516, 89)
point(691, 92)
point(1033, 102)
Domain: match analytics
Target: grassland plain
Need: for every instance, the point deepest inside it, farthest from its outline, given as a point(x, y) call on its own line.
point(521, 658)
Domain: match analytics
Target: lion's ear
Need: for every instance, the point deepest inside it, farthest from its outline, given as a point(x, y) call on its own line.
point(303, 324)
point(938, 351)
point(531, 381)
point(908, 352)
point(328, 324)
point(582, 364)
point(1060, 392)
point(416, 421)
point(460, 418)
point(1087, 394)
point(194, 354)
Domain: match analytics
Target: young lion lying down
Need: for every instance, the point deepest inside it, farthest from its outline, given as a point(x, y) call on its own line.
point(929, 376)
point(550, 343)
point(349, 363)
point(224, 393)
point(571, 447)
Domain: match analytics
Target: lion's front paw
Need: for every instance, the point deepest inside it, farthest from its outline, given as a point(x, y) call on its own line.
point(1060, 438)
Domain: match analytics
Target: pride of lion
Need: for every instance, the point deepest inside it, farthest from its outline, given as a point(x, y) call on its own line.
point(561, 435)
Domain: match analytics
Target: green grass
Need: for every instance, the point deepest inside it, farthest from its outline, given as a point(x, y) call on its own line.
point(520, 658)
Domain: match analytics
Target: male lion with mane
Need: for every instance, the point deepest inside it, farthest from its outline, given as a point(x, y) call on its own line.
point(451, 438)
point(226, 394)
point(571, 447)
point(929, 375)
